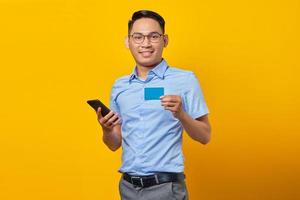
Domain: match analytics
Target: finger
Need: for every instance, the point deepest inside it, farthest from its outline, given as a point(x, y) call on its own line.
point(172, 109)
point(99, 113)
point(104, 119)
point(117, 122)
point(106, 123)
point(109, 115)
point(110, 124)
point(170, 99)
point(169, 95)
point(171, 104)
point(113, 118)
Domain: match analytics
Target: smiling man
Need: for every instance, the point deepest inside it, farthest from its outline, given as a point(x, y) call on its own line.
point(150, 109)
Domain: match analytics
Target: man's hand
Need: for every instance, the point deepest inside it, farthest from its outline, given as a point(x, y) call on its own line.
point(111, 129)
point(173, 103)
point(108, 121)
point(198, 129)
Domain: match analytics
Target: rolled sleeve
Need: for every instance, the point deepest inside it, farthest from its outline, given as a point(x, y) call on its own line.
point(194, 102)
point(113, 100)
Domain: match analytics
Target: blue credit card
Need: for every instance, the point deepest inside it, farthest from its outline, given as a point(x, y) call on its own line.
point(153, 93)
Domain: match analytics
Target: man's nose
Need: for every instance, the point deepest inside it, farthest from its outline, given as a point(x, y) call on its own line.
point(146, 41)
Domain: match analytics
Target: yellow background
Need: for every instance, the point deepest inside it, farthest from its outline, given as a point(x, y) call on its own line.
point(56, 54)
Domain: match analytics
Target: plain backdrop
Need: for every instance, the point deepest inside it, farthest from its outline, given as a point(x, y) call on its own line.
point(56, 54)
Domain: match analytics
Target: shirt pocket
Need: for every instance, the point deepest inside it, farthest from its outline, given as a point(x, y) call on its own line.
point(130, 100)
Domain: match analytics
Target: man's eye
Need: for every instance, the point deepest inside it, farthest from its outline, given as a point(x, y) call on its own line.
point(137, 37)
point(155, 36)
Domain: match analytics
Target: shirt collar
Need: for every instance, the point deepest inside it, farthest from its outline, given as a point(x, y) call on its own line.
point(159, 70)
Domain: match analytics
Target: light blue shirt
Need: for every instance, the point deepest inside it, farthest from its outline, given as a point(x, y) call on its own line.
point(151, 135)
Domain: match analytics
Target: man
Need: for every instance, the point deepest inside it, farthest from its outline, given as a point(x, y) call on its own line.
point(149, 127)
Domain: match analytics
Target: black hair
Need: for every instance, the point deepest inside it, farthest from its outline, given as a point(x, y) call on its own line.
point(146, 14)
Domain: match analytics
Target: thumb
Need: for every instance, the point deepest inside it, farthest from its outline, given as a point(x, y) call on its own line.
point(99, 112)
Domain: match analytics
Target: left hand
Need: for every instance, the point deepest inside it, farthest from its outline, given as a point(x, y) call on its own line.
point(173, 103)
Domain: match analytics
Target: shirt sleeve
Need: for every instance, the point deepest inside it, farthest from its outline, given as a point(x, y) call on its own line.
point(113, 103)
point(193, 99)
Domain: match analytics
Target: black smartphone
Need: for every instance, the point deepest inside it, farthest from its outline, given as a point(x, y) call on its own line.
point(96, 103)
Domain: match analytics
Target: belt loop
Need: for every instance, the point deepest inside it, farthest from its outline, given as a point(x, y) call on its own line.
point(142, 182)
point(156, 179)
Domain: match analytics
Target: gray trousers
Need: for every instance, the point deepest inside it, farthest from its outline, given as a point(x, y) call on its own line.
point(165, 191)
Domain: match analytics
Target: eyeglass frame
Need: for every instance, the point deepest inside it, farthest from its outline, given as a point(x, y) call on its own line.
point(144, 36)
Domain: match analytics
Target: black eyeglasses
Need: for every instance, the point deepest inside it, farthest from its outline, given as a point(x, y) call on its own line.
point(139, 38)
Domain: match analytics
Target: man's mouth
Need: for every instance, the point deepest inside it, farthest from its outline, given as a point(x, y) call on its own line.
point(146, 53)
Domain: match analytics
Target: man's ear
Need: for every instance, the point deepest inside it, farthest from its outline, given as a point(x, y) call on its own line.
point(126, 42)
point(166, 40)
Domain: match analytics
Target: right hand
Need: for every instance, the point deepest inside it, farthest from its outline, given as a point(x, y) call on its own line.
point(108, 121)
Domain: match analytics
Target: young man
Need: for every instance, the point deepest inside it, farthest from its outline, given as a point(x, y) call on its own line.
point(150, 109)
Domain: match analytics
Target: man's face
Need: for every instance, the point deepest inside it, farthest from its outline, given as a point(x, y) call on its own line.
point(147, 53)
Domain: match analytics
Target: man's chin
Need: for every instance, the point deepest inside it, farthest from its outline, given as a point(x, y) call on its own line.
point(149, 63)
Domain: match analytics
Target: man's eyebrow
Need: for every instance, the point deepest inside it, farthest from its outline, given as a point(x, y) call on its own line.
point(147, 34)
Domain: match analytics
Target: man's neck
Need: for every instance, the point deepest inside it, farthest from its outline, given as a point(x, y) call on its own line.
point(142, 71)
